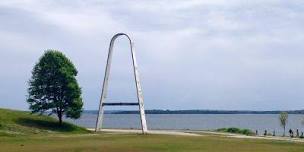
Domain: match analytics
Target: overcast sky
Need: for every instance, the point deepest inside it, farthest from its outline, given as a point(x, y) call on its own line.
point(193, 54)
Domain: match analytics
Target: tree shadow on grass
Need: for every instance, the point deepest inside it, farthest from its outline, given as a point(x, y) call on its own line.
point(47, 125)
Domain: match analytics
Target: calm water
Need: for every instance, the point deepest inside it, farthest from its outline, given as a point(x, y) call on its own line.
point(254, 122)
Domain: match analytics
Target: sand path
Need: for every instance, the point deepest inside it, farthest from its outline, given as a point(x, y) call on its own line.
point(200, 133)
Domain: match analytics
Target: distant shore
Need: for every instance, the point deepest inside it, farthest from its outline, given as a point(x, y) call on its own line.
point(196, 112)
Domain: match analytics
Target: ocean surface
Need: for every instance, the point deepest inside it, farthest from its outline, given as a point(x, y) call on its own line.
point(260, 122)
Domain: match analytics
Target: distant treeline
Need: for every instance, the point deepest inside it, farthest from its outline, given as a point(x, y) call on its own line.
point(197, 112)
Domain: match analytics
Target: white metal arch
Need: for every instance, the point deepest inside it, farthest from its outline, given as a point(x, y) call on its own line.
point(139, 92)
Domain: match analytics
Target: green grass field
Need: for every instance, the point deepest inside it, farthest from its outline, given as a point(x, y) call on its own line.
point(146, 143)
point(45, 137)
point(19, 123)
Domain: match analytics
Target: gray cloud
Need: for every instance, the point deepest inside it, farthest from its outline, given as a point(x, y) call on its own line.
point(192, 54)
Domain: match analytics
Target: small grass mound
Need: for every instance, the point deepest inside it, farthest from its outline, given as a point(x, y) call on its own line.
point(14, 123)
point(236, 131)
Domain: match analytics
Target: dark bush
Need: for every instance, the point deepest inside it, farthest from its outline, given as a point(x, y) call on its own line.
point(236, 131)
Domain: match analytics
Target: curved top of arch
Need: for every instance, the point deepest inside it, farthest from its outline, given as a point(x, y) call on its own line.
point(120, 34)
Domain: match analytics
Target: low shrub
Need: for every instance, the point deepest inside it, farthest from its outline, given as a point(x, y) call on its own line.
point(236, 131)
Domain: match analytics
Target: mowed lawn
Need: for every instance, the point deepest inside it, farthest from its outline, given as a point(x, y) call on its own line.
point(142, 143)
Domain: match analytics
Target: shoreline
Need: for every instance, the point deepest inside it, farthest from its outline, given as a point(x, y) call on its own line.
point(199, 133)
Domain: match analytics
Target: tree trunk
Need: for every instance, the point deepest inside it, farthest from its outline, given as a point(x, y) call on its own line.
point(59, 114)
point(284, 132)
point(60, 121)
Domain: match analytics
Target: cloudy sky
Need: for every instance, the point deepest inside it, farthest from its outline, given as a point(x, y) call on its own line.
point(194, 54)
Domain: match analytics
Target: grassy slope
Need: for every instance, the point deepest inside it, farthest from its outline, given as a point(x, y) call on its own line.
point(24, 132)
point(13, 123)
point(144, 143)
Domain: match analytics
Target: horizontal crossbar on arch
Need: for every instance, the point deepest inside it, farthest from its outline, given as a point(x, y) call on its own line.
point(121, 104)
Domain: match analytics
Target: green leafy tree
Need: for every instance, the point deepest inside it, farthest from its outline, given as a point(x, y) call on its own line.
point(53, 87)
point(283, 120)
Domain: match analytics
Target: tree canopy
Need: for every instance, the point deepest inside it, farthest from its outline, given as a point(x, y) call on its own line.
point(53, 87)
